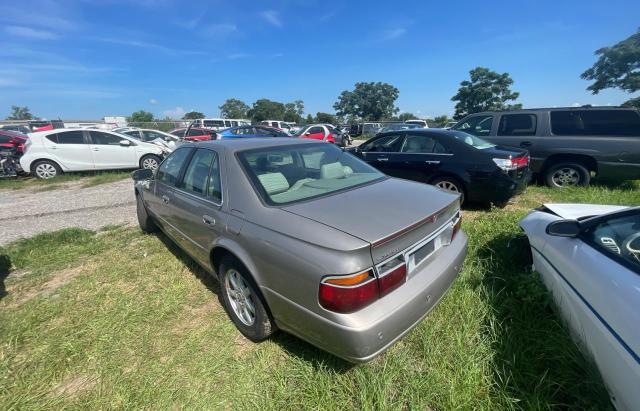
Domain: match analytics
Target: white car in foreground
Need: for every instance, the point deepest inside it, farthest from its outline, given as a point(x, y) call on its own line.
point(49, 153)
point(589, 258)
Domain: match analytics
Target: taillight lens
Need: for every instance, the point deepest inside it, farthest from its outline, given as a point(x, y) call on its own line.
point(348, 293)
point(512, 163)
point(392, 279)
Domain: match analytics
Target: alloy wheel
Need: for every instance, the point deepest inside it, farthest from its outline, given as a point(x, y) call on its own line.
point(46, 171)
point(566, 177)
point(150, 163)
point(448, 185)
point(240, 297)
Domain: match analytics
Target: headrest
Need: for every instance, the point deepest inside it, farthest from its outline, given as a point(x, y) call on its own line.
point(274, 183)
point(332, 170)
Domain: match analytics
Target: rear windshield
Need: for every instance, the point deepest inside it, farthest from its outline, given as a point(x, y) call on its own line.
point(284, 175)
point(595, 123)
point(472, 140)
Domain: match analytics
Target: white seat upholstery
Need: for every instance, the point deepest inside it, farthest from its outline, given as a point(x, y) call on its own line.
point(332, 170)
point(274, 183)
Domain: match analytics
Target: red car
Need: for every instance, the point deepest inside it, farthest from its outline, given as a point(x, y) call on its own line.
point(195, 134)
point(10, 139)
point(316, 132)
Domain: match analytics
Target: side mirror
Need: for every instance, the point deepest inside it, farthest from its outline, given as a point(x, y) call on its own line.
point(307, 133)
point(142, 174)
point(564, 228)
point(125, 143)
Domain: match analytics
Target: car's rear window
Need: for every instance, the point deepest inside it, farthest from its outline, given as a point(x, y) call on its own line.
point(284, 175)
point(595, 123)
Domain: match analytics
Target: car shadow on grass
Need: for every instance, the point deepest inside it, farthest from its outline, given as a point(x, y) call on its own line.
point(293, 345)
point(5, 267)
point(535, 360)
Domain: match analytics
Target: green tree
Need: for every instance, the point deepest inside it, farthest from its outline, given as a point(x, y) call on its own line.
point(368, 101)
point(192, 115)
point(439, 121)
point(309, 119)
point(618, 66)
point(234, 108)
point(299, 107)
point(406, 116)
point(325, 118)
point(20, 113)
point(486, 91)
point(265, 109)
point(140, 117)
point(634, 102)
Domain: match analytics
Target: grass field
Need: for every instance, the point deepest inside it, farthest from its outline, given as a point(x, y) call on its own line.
point(85, 179)
point(118, 319)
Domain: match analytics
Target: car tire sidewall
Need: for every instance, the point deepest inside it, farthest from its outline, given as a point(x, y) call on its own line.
point(49, 162)
point(146, 223)
point(453, 181)
point(263, 326)
point(150, 157)
point(584, 180)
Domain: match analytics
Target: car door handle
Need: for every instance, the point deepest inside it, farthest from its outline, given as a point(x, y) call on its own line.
point(208, 220)
point(432, 162)
point(383, 159)
point(165, 199)
point(525, 144)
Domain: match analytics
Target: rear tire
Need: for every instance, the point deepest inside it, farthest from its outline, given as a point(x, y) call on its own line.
point(150, 161)
point(45, 169)
point(243, 302)
point(568, 174)
point(450, 184)
point(146, 223)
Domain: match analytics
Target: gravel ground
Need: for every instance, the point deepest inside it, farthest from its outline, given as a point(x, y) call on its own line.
point(24, 213)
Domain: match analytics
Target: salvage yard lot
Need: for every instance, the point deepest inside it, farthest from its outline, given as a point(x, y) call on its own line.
point(121, 319)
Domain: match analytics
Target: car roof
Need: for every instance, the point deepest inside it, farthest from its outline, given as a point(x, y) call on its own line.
point(235, 145)
point(580, 108)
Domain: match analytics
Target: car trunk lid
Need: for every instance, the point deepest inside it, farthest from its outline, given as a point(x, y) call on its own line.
point(391, 215)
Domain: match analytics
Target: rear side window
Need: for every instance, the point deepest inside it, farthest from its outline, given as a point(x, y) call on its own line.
point(70, 137)
point(517, 125)
point(197, 174)
point(595, 123)
point(477, 125)
point(315, 130)
point(105, 139)
point(196, 132)
point(418, 144)
point(169, 171)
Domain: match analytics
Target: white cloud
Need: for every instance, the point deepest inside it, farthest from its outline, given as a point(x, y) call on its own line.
point(216, 30)
point(272, 17)
point(576, 105)
point(153, 101)
point(392, 34)
point(148, 45)
point(175, 113)
point(30, 33)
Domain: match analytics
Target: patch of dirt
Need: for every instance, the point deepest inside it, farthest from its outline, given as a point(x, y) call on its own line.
point(17, 274)
point(73, 386)
point(48, 289)
point(242, 345)
point(194, 317)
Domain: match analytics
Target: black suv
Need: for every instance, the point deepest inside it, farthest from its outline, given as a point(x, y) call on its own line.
point(567, 144)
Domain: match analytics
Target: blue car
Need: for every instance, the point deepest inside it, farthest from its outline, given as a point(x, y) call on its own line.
point(252, 132)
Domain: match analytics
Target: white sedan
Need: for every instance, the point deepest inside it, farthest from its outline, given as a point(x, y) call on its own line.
point(49, 153)
point(589, 258)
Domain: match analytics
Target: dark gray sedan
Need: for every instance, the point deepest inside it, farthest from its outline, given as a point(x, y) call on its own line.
point(306, 238)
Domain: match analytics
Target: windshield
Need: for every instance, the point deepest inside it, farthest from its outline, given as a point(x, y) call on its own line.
point(472, 140)
point(284, 175)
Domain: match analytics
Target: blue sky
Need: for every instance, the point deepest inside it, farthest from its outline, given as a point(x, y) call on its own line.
point(87, 59)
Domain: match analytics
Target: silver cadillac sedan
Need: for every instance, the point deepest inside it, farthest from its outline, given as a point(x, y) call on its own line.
point(306, 238)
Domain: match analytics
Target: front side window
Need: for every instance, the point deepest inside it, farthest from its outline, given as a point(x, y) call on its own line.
point(316, 130)
point(169, 171)
point(71, 137)
point(179, 133)
point(595, 123)
point(300, 172)
point(133, 133)
point(105, 139)
point(517, 125)
point(196, 175)
point(151, 135)
point(386, 144)
point(476, 125)
point(195, 132)
point(618, 237)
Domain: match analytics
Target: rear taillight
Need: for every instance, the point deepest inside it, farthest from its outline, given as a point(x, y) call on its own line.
point(348, 293)
point(512, 163)
point(456, 227)
point(393, 278)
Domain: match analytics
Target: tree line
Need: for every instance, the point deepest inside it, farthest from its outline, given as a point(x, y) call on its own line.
point(617, 66)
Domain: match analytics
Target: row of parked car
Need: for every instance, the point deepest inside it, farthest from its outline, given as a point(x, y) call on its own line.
point(312, 240)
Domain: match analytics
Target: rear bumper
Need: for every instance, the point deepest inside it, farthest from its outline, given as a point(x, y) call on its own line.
point(375, 328)
point(499, 188)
